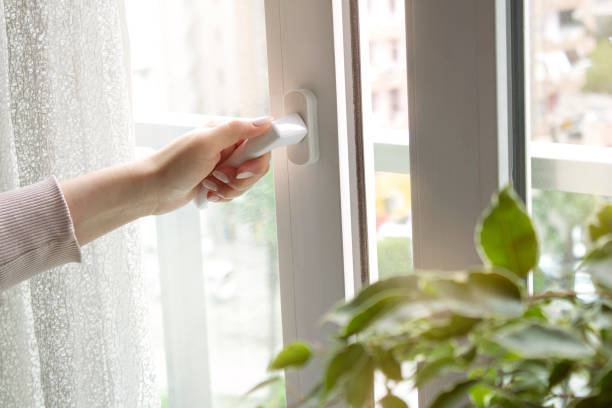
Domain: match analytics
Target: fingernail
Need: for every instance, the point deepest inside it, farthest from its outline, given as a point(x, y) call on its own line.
point(244, 175)
point(213, 198)
point(262, 120)
point(209, 184)
point(221, 176)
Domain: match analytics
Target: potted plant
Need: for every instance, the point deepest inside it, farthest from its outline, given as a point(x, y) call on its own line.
point(507, 348)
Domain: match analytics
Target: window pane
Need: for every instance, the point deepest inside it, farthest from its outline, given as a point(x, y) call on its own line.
point(393, 222)
point(560, 219)
point(386, 130)
point(204, 56)
point(209, 57)
point(571, 71)
point(385, 112)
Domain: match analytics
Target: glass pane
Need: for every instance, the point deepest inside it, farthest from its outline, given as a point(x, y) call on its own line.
point(198, 56)
point(560, 219)
point(209, 57)
point(393, 222)
point(385, 83)
point(385, 114)
point(242, 293)
point(571, 71)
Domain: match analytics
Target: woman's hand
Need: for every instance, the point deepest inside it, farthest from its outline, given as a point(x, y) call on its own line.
point(106, 199)
point(183, 165)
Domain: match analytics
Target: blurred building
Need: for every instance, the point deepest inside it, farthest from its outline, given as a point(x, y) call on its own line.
point(199, 56)
point(387, 68)
point(564, 35)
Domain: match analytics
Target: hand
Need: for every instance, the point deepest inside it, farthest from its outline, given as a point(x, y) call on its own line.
point(106, 199)
point(190, 164)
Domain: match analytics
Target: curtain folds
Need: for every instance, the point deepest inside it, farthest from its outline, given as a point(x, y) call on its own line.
point(74, 336)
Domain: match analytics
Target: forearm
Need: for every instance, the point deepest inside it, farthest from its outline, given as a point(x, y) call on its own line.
point(106, 199)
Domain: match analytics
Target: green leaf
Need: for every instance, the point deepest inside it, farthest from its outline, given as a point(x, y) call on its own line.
point(342, 364)
point(263, 384)
point(598, 263)
point(433, 369)
point(389, 365)
point(482, 294)
point(370, 312)
point(589, 402)
point(398, 284)
point(605, 385)
point(503, 401)
point(535, 312)
point(540, 342)
point(505, 235)
point(295, 354)
point(560, 372)
point(469, 355)
point(391, 401)
point(484, 374)
point(480, 395)
point(359, 386)
point(456, 326)
point(602, 224)
point(452, 397)
point(601, 252)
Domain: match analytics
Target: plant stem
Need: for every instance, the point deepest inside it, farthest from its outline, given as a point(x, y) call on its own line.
point(565, 295)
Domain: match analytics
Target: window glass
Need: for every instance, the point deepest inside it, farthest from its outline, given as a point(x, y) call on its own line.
point(570, 86)
point(208, 57)
point(205, 56)
point(387, 125)
point(571, 71)
point(560, 220)
point(386, 133)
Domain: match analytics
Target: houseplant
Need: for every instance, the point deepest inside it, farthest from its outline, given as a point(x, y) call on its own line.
point(509, 348)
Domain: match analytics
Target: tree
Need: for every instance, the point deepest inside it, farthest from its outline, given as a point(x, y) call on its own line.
point(599, 75)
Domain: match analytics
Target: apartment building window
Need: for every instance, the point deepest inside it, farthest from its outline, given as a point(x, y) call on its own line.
point(566, 18)
point(375, 102)
point(373, 52)
point(394, 102)
point(395, 51)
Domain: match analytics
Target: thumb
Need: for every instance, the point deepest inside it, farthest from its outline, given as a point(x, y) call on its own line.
point(233, 131)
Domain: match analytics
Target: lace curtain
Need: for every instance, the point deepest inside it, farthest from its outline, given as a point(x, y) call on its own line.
point(74, 336)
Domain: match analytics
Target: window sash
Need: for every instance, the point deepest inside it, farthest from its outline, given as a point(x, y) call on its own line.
point(461, 130)
point(459, 134)
point(312, 247)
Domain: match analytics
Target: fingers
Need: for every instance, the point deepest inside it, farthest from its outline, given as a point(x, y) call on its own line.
point(248, 169)
point(227, 152)
point(231, 132)
point(227, 183)
point(215, 198)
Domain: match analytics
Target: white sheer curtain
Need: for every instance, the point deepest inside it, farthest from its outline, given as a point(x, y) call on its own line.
point(74, 336)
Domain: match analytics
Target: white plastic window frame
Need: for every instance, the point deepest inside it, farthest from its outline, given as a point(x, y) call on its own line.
point(458, 109)
point(313, 207)
point(457, 156)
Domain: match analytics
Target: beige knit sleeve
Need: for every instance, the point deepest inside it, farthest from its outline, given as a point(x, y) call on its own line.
point(36, 232)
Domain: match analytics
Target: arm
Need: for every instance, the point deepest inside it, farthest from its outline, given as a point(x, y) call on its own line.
point(104, 200)
point(40, 225)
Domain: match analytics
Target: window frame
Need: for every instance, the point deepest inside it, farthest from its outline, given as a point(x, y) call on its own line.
point(457, 56)
point(326, 232)
point(316, 216)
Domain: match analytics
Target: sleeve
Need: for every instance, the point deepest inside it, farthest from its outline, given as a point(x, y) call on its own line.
point(36, 232)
